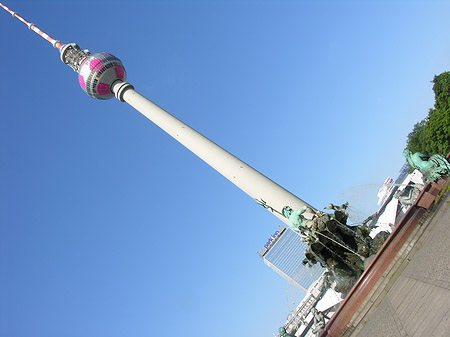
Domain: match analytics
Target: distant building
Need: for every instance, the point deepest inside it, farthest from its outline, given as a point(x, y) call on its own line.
point(300, 321)
point(390, 186)
point(385, 191)
point(284, 253)
point(402, 173)
point(396, 200)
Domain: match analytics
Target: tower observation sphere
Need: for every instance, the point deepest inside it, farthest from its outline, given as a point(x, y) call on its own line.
point(98, 72)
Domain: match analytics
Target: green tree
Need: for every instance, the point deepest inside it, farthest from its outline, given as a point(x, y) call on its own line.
point(415, 141)
point(436, 132)
point(441, 88)
point(432, 135)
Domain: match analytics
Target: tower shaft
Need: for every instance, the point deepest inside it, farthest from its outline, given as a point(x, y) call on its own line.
point(249, 180)
point(102, 76)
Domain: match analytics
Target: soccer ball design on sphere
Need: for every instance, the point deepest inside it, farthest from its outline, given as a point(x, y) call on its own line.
point(97, 74)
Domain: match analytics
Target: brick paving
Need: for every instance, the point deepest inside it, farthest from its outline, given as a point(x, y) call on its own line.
point(414, 295)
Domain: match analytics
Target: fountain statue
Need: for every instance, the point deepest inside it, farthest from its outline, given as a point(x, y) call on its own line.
point(432, 168)
point(318, 322)
point(409, 194)
point(283, 333)
point(340, 248)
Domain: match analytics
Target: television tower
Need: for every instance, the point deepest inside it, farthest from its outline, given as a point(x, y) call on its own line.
point(102, 76)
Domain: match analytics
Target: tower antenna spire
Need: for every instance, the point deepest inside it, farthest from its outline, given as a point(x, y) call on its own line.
point(57, 44)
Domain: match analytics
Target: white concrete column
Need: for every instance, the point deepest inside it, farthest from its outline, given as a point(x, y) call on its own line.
point(239, 173)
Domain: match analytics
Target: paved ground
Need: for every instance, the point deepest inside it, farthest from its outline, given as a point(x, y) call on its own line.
point(416, 299)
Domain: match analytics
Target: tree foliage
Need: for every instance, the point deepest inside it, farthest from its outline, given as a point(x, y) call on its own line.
point(415, 141)
point(432, 134)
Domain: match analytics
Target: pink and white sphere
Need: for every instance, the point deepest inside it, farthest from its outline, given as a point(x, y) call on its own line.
point(97, 74)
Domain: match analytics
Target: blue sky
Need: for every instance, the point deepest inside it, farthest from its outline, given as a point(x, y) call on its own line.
point(108, 227)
